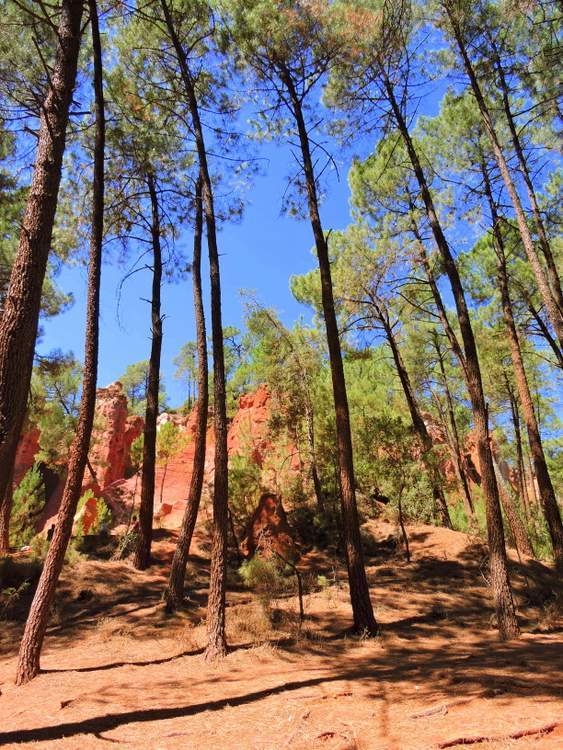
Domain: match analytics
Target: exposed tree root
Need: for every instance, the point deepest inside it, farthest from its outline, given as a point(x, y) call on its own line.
point(492, 738)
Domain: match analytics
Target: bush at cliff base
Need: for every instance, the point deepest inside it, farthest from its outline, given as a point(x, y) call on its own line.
point(28, 502)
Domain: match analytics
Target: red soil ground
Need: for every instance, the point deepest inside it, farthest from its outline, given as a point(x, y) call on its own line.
point(118, 671)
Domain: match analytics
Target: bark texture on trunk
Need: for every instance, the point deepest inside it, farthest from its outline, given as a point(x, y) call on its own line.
point(20, 314)
point(5, 515)
point(546, 491)
point(416, 417)
point(553, 311)
point(36, 625)
point(146, 509)
point(500, 584)
point(216, 635)
point(454, 441)
point(364, 619)
point(552, 273)
point(174, 593)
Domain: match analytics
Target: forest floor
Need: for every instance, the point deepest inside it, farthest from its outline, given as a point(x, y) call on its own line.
point(118, 671)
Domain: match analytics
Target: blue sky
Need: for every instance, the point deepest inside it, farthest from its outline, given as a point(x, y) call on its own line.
point(261, 252)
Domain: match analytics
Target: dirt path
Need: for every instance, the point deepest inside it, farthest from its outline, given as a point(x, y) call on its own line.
point(119, 672)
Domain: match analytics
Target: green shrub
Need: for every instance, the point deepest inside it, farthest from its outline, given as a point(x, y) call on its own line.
point(28, 502)
point(267, 578)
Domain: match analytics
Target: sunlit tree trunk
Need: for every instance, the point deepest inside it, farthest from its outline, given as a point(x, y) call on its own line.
point(20, 314)
point(36, 625)
point(416, 417)
point(364, 620)
point(455, 446)
point(545, 486)
point(174, 593)
point(216, 635)
point(500, 584)
point(553, 311)
point(552, 274)
point(146, 508)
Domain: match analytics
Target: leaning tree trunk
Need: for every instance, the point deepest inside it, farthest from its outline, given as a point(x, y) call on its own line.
point(216, 635)
point(543, 329)
point(454, 442)
point(522, 486)
point(20, 315)
point(545, 486)
point(546, 491)
point(146, 508)
point(32, 641)
point(174, 593)
point(553, 311)
point(500, 584)
point(364, 620)
point(553, 276)
point(416, 417)
point(515, 524)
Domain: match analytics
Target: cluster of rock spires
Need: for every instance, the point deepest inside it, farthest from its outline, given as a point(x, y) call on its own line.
point(110, 470)
point(110, 473)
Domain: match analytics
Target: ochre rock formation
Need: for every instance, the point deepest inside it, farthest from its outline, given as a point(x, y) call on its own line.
point(268, 530)
point(109, 451)
point(28, 447)
point(248, 432)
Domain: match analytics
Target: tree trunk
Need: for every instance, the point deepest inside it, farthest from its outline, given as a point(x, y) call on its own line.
point(455, 446)
point(142, 557)
point(174, 593)
point(20, 315)
point(217, 642)
point(519, 533)
point(162, 481)
point(546, 491)
point(552, 274)
point(5, 515)
point(364, 620)
point(32, 641)
point(553, 311)
point(544, 330)
point(522, 488)
point(500, 584)
point(417, 420)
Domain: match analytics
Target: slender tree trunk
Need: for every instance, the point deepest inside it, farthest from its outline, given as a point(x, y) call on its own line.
point(545, 486)
point(164, 472)
point(416, 417)
point(552, 274)
point(364, 620)
point(217, 641)
point(553, 311)
point(32, 641)
point(455, 446)
point(544, 330)
point(500, 584)
point(20, 314)
point(174, 593)
point(142, 557)
point(519, 533)
point(522, 488)
point(5, 515)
